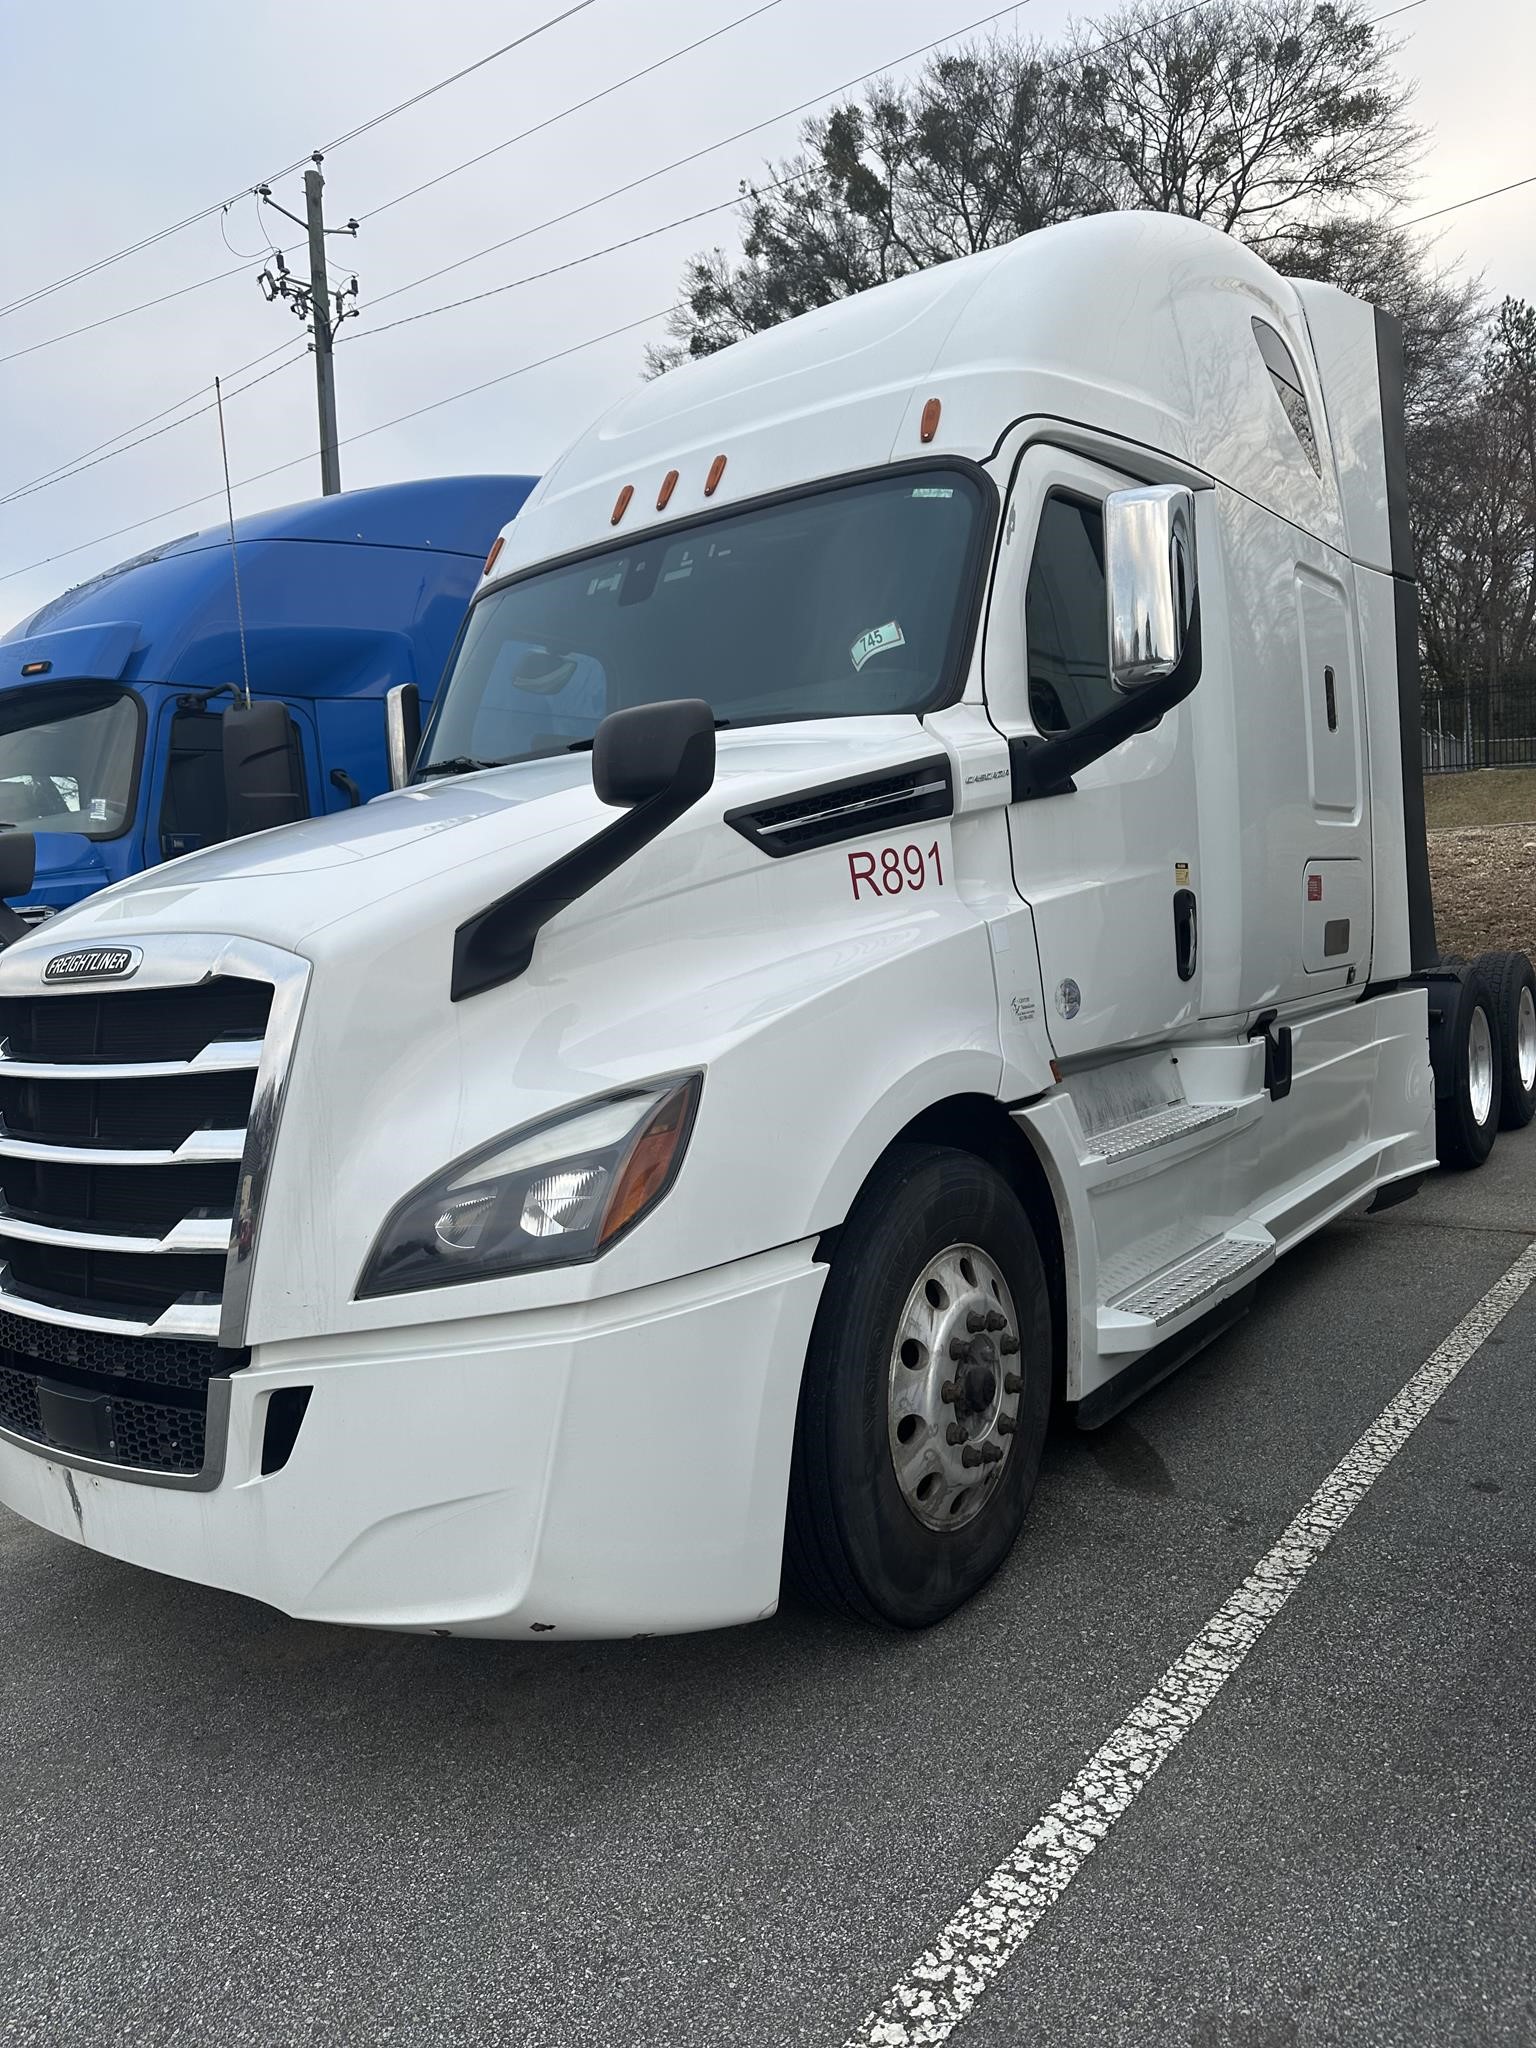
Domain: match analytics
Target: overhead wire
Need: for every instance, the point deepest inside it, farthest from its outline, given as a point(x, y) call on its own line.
point(351, 134)
point(1456, 205)
point(363, 434)
point(186, 419)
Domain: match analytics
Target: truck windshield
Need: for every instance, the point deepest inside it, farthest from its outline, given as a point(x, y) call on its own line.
point(68, 758)
point(844, 601)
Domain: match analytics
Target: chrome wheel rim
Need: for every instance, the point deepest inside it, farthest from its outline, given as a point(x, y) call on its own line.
point(1480, 1065)
point(1525, 1040)
point(954, 1386)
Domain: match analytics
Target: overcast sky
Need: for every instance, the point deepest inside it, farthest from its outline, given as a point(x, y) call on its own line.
point(120, 120)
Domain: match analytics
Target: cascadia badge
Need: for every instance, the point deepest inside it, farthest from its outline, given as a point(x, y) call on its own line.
point(100, 963)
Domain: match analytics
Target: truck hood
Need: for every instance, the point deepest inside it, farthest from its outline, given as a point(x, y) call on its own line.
point(446, 849)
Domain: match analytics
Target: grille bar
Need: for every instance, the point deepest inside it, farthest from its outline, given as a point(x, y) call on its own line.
point(197, 1149)
point(199, 1319)
point(223, 1056)
point(191, 1234)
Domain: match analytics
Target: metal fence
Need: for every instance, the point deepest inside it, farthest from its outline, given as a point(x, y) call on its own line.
point(1481, 725)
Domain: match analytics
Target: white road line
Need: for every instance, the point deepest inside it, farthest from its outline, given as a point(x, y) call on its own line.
point(946, 1981)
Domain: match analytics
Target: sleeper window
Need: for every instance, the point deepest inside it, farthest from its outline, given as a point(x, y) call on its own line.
point(1286, 380)
point(1066, 617)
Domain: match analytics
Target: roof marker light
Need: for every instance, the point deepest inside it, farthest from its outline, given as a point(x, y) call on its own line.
point(490, 560)
point(623, 503)
point(716, 471)
point(668, 486)
point(930, 424)
point(36, 668)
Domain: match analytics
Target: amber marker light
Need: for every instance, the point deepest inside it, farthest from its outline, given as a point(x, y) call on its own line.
point(654, 1158)
point(930, 424)
point(623, 503)
point(490, 560)
point(712, 481)
point(668, 486)
point(36, 668)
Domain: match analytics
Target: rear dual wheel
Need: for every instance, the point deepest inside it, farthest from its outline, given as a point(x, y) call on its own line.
point(926, 1395)
point(1511, 987)
point(1467, 1111)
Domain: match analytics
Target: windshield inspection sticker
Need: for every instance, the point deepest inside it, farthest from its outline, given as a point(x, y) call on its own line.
point(875, 641)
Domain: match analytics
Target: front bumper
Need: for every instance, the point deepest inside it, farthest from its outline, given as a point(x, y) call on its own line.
point(616, 1468)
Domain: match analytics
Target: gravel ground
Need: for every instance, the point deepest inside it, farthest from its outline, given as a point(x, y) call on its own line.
point(1484, 880)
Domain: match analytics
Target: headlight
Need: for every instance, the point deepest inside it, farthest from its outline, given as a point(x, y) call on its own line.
point(550, 1194)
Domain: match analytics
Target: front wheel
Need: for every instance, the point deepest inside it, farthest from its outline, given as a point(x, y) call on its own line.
point(926, 1395)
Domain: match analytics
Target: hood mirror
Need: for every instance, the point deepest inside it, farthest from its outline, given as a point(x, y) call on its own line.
point(263, 768)
point(1150, 572)
point(655, 750)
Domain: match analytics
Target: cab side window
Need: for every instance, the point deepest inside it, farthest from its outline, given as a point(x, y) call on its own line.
point(1285, 381)
point(1066, 617)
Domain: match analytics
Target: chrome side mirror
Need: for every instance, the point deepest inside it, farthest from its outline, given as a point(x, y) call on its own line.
point(402, 731)
point(1150, 573)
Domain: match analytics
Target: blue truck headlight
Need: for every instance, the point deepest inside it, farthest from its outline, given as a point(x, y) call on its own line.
point(551, 1193)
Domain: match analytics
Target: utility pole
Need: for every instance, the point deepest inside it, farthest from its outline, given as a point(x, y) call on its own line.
point(319, 305)
point(320, 300)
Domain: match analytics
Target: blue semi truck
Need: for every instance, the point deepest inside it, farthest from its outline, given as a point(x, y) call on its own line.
point(135, 727)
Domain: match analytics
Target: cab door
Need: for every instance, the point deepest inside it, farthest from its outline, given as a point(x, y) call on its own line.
point(1111, 867)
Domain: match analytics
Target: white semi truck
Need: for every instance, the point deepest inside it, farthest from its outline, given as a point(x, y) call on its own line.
point(913, 895)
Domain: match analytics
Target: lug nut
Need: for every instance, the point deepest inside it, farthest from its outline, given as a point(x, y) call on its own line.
point(955, 1434)
point(1012, 1383)
point(976, 1320)
point(1007, 1424)
point(951, 1391)
point(996, 1320)
point(981, 1454)
point(959, 1348)
point(1008, 1346)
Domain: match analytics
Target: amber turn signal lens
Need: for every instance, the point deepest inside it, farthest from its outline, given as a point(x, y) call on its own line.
point(623, 505)
point(668, 486)
point(716, 471)
point(490, 560)
point(653, 1159)
point(930, 425)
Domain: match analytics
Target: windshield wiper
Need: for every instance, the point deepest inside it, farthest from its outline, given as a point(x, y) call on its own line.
point(585, 746)
point(461, 764)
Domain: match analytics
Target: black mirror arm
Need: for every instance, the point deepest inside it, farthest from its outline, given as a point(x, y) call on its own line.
point(1045, 767)
point(497, 944)
point(341, 780)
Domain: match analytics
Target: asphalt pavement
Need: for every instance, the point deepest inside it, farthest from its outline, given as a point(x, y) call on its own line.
point(220, 1827)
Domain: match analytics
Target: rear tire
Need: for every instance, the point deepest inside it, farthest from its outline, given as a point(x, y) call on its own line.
point(1512, 985)
point(1467, 1114)
point(933, 1336)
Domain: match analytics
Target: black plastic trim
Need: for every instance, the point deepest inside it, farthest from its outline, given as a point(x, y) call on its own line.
point(1423, 948)
point(756, 822)
point(1389, 373)
point(1106, 1402)
point(1045, 767)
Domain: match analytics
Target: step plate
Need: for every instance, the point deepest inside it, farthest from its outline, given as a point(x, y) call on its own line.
point(1170, 1293)
point(1145, 1133)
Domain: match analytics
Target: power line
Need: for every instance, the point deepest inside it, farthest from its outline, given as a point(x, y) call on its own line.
point(577, 107)
point(1457, 204)
point(362, 128)
point(144, 306)
point(555, 270)
point(63, 476)
point(433, 405)
point(678, 163)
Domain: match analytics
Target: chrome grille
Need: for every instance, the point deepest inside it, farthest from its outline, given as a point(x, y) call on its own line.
point(135, 1123)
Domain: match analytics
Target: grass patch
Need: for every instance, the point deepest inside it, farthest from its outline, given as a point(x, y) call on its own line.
point(1484, 883)
point(1484, 796)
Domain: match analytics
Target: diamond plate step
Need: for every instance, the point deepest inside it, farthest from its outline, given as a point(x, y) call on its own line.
point(1177, 1288)
point(1145, 1133)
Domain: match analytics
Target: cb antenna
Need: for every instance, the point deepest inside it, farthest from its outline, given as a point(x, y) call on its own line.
point(234, 552)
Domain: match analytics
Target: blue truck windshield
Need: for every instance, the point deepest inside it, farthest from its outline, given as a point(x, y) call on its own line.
point(69, 758)
point(830, 604)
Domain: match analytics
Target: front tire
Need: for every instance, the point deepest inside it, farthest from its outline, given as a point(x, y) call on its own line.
point(926, 1396)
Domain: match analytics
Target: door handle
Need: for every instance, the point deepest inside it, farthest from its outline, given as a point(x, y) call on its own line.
point(1186, 934)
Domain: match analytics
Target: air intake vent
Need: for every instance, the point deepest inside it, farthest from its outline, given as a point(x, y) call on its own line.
point(856, 808)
